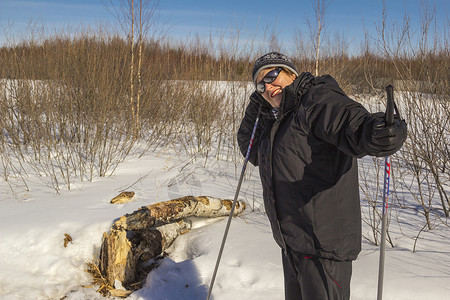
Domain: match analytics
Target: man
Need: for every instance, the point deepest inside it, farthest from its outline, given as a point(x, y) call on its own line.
point(306, 148)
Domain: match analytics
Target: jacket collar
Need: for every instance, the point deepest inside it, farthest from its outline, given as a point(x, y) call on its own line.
point(292, 94)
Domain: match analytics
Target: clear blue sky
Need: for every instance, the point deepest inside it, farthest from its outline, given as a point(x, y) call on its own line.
point(191, 17)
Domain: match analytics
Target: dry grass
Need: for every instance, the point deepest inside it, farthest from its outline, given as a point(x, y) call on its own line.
point(98, 279)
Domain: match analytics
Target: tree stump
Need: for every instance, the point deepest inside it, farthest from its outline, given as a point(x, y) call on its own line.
point(136, 238)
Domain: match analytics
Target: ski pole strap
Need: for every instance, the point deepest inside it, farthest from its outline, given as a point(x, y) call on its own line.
point(390, 105)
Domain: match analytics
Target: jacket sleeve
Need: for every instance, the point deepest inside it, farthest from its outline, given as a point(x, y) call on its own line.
point(336, 119)
point(246, 128)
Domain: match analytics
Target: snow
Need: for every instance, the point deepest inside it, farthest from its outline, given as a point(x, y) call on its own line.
point(34, 264)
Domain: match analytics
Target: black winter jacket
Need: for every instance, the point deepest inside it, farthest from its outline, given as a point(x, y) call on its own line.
point(308, 167)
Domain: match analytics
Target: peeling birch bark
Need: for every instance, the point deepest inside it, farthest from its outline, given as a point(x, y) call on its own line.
point(136, 238)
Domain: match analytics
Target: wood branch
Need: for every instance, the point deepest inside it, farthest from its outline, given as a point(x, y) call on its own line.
point(123, 197)
point(145, 234)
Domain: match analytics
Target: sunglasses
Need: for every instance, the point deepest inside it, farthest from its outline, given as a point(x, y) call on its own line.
point(269, 78)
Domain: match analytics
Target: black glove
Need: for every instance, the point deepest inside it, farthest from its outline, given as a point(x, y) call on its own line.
point(386, 140)
point(266, 109)
point(256, 97)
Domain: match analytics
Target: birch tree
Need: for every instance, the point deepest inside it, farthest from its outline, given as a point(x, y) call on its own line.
point(316, 27)
point(136, 18)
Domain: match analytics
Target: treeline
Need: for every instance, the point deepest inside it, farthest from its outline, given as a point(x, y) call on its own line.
point(44, 60)
point(202, 60)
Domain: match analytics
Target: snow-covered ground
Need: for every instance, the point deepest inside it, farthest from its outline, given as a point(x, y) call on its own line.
point(34, 264)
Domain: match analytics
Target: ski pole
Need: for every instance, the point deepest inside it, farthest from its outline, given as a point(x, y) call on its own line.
point(387, 176)
point(247, 157)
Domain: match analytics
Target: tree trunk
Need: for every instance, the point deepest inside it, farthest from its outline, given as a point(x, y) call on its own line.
point(136, 238)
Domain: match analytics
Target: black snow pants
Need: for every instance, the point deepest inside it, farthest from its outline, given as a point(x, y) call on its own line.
point(313, 278)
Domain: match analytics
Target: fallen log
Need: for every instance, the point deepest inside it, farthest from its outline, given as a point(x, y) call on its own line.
point(136, 238)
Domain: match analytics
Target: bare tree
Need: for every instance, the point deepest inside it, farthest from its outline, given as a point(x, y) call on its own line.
point(424, 101)
point(135, 18)
point(316, 27)
point(274, 42)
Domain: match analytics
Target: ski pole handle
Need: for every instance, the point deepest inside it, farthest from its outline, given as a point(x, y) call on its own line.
point(390, 105)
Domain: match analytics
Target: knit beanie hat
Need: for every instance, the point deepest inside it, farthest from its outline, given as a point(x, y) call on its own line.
point(271, 60)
